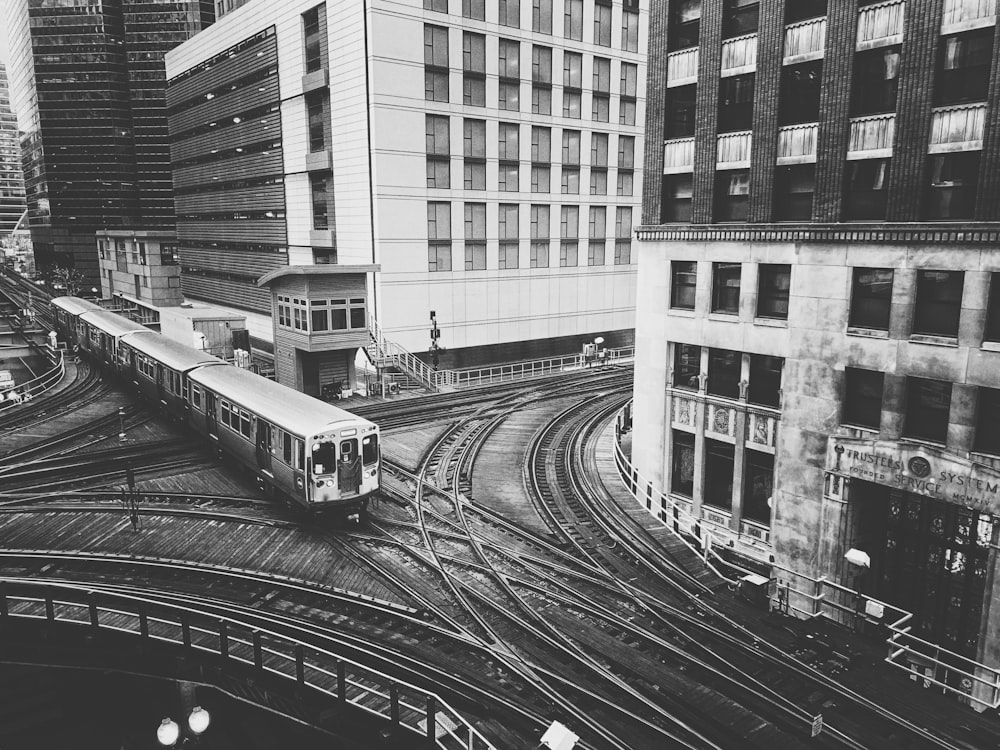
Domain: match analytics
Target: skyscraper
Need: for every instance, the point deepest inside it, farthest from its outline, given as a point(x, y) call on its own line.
point(88, 87)
point(12, 203)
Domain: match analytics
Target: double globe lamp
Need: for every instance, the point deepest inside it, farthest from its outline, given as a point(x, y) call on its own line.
point(168, 733)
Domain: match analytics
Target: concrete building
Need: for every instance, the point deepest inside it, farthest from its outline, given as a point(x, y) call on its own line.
point(485, 156)
point(818, 335)
point(87, 83)
point(12, 204)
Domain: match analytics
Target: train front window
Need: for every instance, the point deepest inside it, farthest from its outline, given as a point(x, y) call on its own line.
point(369, 449)
point(324, 457)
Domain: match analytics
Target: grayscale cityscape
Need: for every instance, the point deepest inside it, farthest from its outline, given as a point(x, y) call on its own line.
point(500, 374)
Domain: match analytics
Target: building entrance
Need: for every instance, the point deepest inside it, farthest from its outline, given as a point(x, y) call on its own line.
point(928, 557)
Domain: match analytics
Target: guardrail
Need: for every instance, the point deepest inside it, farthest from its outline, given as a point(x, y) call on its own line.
point(31, 388)
point(808, 597)
point(532, 367)
point(406, 706)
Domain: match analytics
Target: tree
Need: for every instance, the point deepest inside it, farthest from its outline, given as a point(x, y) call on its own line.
point(68, 278)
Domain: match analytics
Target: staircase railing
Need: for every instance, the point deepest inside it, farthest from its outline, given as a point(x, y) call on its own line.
point(382, 349)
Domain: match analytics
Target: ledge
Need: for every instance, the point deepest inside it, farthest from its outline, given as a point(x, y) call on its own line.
point(921, 338)
point(322, 269)
point(936, 233)
point(868, 333)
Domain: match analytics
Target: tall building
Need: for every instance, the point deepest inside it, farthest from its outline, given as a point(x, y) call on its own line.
point(12, 205)
point(486, 156)
point(88, 87)
point(818, 335)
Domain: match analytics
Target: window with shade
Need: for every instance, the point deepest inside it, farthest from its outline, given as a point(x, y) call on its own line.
point(683, 284)
point(773, 285)
point(963, 67)
point(862, 398)
point(732, 195)
point(724, 372)
point(928, 403)
point(682, 464)
point(938, 305)
point(687, 366)
point(683, 25)
point(871, 298)
point(951, 189)
point(719, 463)
point(675, 200)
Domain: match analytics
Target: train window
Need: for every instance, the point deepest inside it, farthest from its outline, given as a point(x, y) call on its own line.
point(369, 449)
point(324, 457)
point(196, 397)
point(245, 426)
point(286, 448)
point(300, 454)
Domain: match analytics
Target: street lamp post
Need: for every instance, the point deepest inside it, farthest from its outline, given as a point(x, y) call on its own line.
point(860, 560)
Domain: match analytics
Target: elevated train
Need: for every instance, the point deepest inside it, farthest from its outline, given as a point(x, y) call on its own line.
point(316, 456)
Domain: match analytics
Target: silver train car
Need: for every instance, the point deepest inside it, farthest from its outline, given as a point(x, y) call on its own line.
point(315, 456)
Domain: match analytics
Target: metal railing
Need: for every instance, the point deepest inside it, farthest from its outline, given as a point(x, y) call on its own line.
point(808, 597)
point(531, 368)
point(382, 349)
point(37, 385)
point(347, 682)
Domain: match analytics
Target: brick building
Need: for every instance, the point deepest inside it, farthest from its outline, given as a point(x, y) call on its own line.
point(818, 328)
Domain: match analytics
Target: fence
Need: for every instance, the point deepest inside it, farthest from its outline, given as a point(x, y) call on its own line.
point(533, 367)
point(31, 388)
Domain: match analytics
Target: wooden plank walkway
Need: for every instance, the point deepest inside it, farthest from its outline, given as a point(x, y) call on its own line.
point(407, 445)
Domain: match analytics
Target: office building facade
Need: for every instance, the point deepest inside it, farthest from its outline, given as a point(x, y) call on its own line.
point(818, 367)
point(88, 84)
point(486, 156)
point(12, 204)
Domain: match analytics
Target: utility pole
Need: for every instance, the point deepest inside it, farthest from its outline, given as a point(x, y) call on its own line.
point(435, 350)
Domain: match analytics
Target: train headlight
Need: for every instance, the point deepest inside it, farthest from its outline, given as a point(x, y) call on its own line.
point(299, 483)
point(329, 483)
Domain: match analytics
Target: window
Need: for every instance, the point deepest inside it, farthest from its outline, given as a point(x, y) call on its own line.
point(316, 109)
point(862, 398)
point(573, 19)
point(875, 82)
point(794, 187)
point(726, 288)
point(602, 23)
point(441, 6)
point(435, 63)
point(963, 68)
point(601, 100)
point(541, 16)
point(992, 329)
point(509, 218)
point(927, 405)
point(168, 255)
point(598, 163)
point(571, 162)
point(569, 231)
point(627, 101)
point(867, 183)
point(313, 21)
point(625, 182)
point(473, 69)
point(438, 138)
point(939, 303)
point(871, 298)
point(572, 84)
point(540, 229)
point(475, 236)
point(951, 193)
point(739, 17)
point(630, 27)
point(474, 150)
point(773, 283)
point(683, 284)
point(541, 156)
point(474, 9)
point(320, 186)
point(623, 235)
point(758, 485)
point(765, 380)
point(719, 461)
point(508, 157)
point(800, 87)
point(680, 111)
point(541, 80)
point(676, 198)
point(626, 152)
point(801, 10)
point(732, 195)
point(736, 103)
point(988, 421)
point(724, 373)
point(687, 366)
point(682, 465)
point(438, 236)
point(683, 25)
point(509, 91)
point(597, 234)
point(510, 13)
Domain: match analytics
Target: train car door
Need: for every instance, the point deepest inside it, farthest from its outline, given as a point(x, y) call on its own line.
point(211, 416)
point(159, 382)
point(132, 366)
point(263, 445)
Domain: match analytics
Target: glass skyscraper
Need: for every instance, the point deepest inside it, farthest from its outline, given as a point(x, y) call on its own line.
point(88, 85)
point(11, 182)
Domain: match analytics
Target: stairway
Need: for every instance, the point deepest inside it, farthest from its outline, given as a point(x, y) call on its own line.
point(388, 354)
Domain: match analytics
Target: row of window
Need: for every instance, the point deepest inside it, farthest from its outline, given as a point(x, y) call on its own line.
point(725, 371)
point(168, 253)
point(320, 315)
point(509, 14)
point(508, 222)
point(926, 405)
point(439, 254)
point(949, 192)
point(438, 147)
point(774, 282)
point(720, 467)
point(437, 77)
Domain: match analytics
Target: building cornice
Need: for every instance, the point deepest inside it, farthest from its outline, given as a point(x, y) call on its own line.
point(966, 233)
